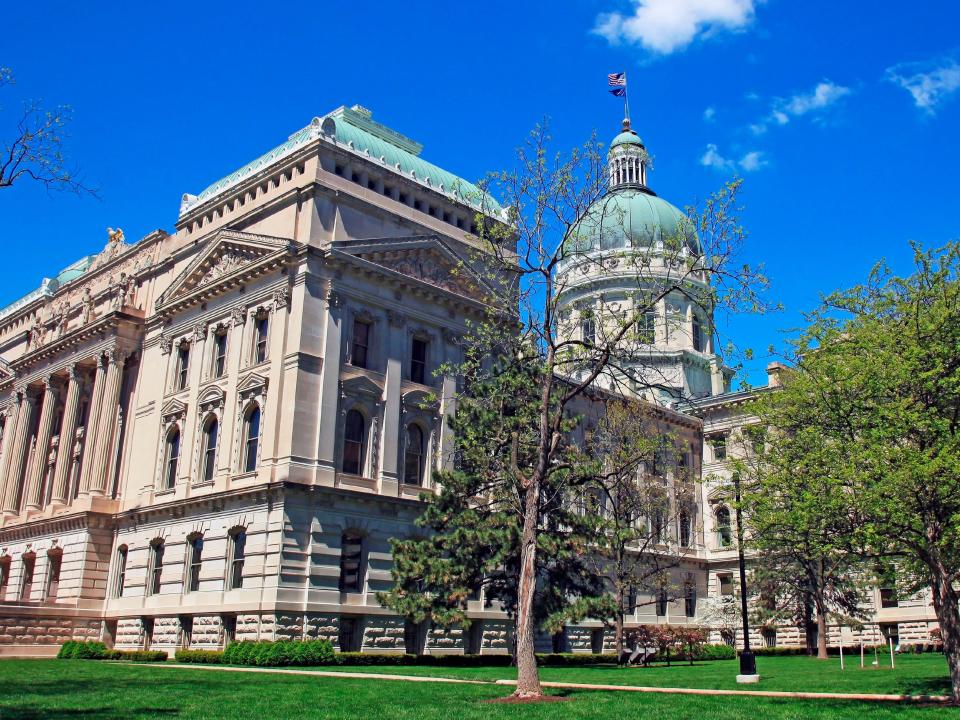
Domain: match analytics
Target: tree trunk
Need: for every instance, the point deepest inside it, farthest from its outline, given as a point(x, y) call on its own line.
point(945, 604)
point(528, 675)
point(618, 635)
point(821, 635)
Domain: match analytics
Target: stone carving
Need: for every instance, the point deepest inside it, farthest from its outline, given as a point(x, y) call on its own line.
point(238, 315)
point(36, 334)
point(425, 267)
point(87, 313)
point(333, 299)
point(114, 247)
point(166, 344)
point(199, 332)
point(375, 446)
point(281, 298)
point(396, 319)
point(228, 261)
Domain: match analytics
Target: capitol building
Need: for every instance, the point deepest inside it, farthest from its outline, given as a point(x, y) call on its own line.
point(213, 433)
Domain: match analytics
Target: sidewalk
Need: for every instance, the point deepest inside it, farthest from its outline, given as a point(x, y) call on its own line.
point(568, 686)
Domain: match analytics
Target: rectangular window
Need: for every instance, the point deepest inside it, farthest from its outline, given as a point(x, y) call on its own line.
point(647, 327)
point(238, 553)
point(261, 328)
point(53, 576)
point(4, 578)
point(156, 569)
point(219, 354)
point(690, 601)
point(351, 556)
point(588, 330)
point(726, 585)
point(348, 635)
point(196, 562)
point(229, 623)
point(418, 360)
point(769, 637)
point(183, 366)
point(661, 603)
point(121, 572)
point(26, 583)
point(720, 449)
point(891, 632)
point(361, 344)
point(888, 598)
point(186, 631)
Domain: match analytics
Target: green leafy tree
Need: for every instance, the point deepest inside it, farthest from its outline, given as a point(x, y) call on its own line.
point(877, 387)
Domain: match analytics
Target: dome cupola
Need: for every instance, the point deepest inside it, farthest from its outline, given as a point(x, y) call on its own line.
point(627, 159)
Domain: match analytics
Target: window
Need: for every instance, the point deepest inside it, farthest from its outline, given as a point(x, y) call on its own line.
point(238, 552)
point(361, 344)
point(171, 458)
point(690, 600)
point(121, 578)
point(418, 360)
point(413, 458)
point(155, 572)
point(726, 584)
point(661, 603)
point(26, 582)
point(251, 439)
point(728, 638)
point(183, 366)
point(351, 556)
point(194, 562)
point(888, 598)
point(588, 330)
point(186, 631)
point(891, 633)
point(229, 624)
point(685, 528)
point(647, 327)
point(720, 449)
point(261, 328)
point(769, 635)
point(219, 353)
point(209, 459)
point(724, 532)
point(4, 577)
point(656, 527)
point(698, 339)
point(54, 562)
point(412, 636)
point(353, 443)
point(630, 601)
point(349, 635)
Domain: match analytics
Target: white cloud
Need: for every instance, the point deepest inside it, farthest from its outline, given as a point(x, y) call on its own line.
point(930, 84)
point(825, 94)
point(666, 26)
point(751, 162)
point(710, 114)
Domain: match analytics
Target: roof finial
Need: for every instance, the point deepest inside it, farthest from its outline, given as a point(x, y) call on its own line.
point(626, 125)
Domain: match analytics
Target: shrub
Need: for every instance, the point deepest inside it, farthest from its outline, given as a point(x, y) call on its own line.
point(139, 655)
point(715, 652)
point(83, 650)
point(202, 657)
point(278, 653)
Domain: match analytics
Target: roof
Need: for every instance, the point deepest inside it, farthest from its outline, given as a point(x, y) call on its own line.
point(631, 217)
point(49, 286)
point(354, 130)
point(628, 137)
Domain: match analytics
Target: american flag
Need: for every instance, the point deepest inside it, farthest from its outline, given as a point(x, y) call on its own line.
point(617, 79)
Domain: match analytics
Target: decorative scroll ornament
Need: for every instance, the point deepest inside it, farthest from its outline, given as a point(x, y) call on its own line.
point(199, 331)
point(281, 298)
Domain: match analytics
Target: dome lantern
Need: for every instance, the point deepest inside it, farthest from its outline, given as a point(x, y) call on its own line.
point(627, 159)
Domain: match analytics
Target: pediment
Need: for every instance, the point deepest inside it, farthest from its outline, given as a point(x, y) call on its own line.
point(420, 400)
point(172, 410)
point(211, 398)
point(230, 256)
point(426, 259)
point(252, 384)
point(361, 385)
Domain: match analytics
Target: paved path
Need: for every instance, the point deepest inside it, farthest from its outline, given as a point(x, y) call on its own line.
point(870, 697)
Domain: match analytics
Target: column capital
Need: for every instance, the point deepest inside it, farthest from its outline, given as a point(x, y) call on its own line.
point(74, 371)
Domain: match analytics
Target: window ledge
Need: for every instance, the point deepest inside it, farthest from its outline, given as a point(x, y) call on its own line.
point(205, 483)
point(165, 491)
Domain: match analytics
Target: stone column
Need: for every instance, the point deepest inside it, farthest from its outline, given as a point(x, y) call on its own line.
point(38, 467)
point(18, 457)
point(93, 418)
point(9, 433)
point(330, 386)
point(391, 470)
point(68, 431)
point(106, 435)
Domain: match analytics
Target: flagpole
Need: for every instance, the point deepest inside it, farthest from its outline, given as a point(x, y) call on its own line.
point(626, 96)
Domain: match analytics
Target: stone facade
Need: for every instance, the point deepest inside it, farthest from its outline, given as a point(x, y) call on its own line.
point(213, 433)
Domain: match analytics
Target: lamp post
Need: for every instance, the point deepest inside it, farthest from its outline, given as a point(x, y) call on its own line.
point(748, 661)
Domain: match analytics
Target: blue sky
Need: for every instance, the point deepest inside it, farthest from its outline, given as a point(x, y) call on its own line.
point(842, 117)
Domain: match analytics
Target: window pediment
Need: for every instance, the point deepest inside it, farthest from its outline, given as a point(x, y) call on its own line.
point(173, 410)
point(420, 400)
point(252, 385)
point(361, 385)
point(212, 398)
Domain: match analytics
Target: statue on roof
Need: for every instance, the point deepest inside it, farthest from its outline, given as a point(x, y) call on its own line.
point(114, 247)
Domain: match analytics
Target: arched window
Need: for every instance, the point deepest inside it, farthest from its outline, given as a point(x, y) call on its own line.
point(171, 458)
point(251, 438)
point(210, 435)
point(235, 558)
point(121, 578)
point(413, 457)
point(155, 571)
point(194, 562)
point(724, 532)
point(354, 440)
point(54, 562)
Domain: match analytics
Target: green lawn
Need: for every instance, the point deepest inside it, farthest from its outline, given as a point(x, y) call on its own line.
point(914, 674)
point(42, 689)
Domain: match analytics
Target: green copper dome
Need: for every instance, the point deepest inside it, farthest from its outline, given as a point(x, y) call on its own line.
point(628, 137)
point(631, 217)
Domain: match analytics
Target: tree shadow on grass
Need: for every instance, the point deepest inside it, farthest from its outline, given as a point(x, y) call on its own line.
point(101, 713)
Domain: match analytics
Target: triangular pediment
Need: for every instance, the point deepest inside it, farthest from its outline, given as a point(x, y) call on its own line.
point(252, 384)
point(361, 385)
point(426, 259)
point(229, 257)
point(172, 410)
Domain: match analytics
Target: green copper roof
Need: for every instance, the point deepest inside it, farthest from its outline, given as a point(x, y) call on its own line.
point(354, 129)
point(630, 217)
point(50, 286)
point(626, 138)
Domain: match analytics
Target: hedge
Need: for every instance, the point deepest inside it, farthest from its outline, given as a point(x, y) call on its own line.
point(92, 650)
point(201, 657)
point(714, 652)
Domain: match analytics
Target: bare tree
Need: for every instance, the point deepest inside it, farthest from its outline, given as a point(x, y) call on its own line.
point(36, 151)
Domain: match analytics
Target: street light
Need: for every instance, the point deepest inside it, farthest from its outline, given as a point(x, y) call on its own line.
point(748, 661)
